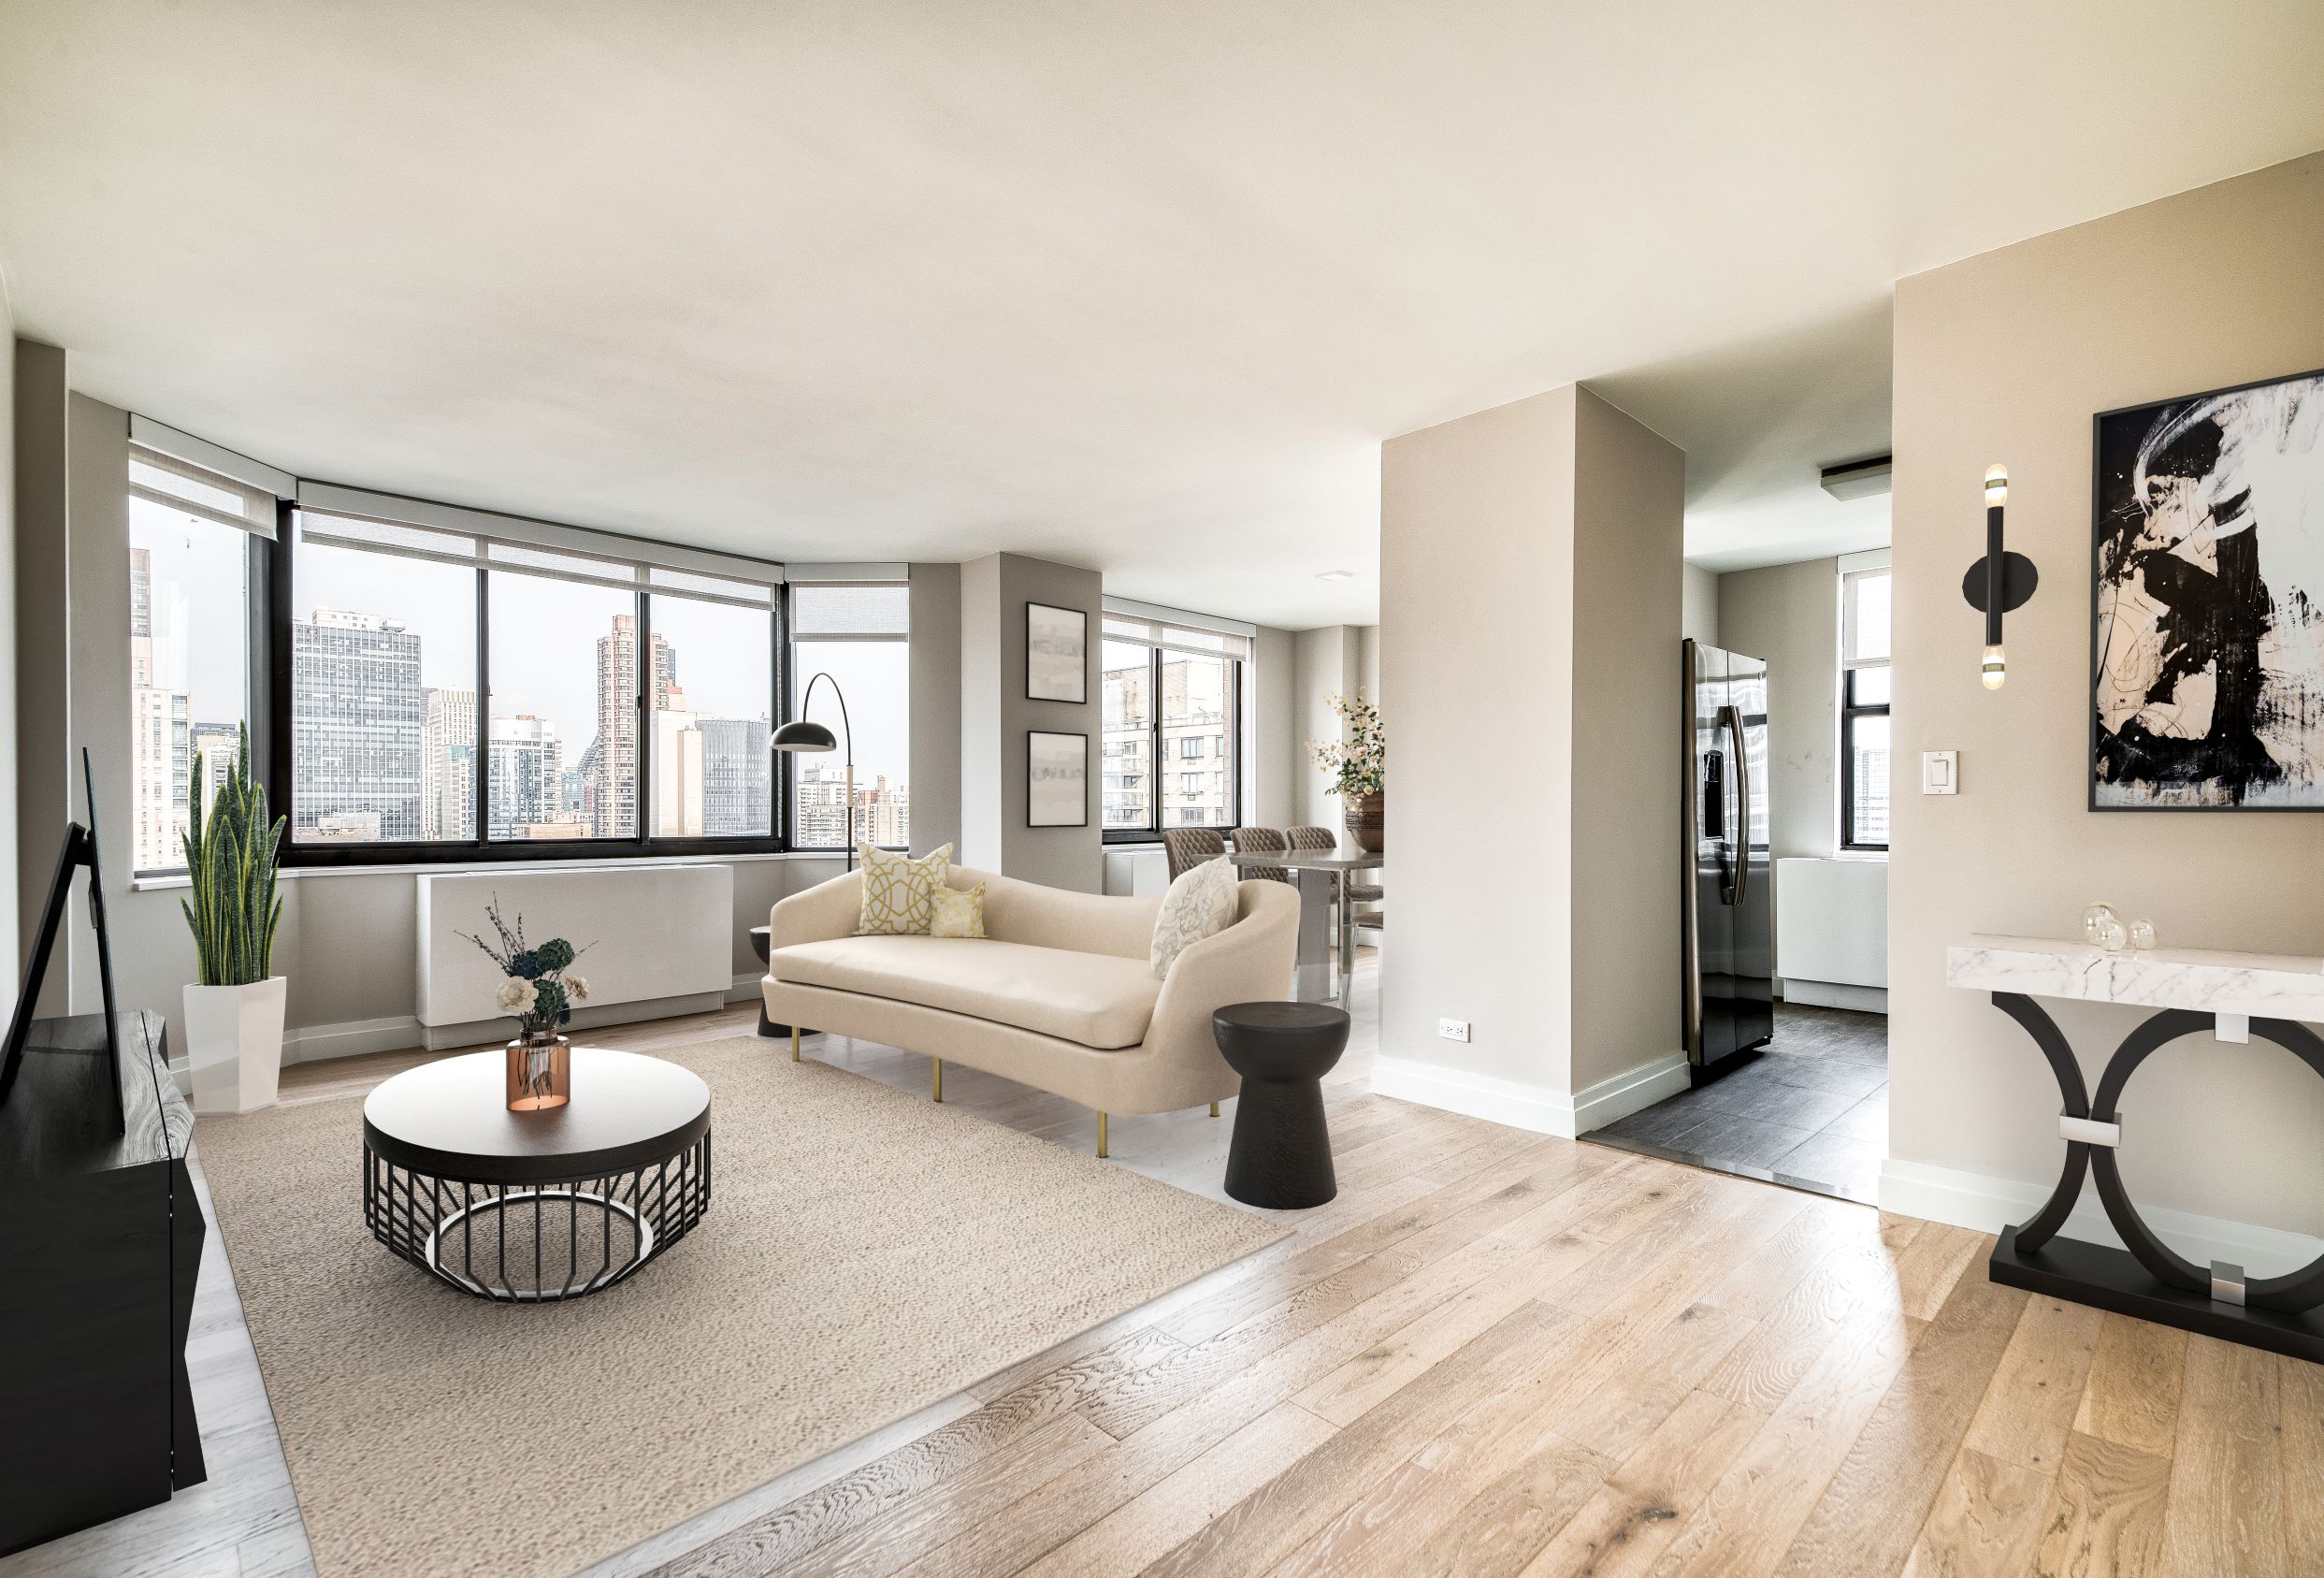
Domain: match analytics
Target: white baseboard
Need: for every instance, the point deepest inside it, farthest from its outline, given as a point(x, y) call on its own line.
point(1987, 1205)
point(1529, 1107)
point(1624, 1094)
point(1837, 994)
point(748, 989)
point(1475, 1096)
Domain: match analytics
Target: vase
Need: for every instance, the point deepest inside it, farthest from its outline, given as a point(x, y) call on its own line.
point(233, 1045)
point(1368, 820)
point(541, 1071)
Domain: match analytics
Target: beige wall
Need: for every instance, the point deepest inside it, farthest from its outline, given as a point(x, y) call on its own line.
point(934, 699)
point(1699, 605)
point(41, 599)
point(7, 648)
point(1274, 763)
point(1788, 615)
point(1329, 661)
point(2005, 358)
point(1629, 505)
point(1546, 682)
point(996, 716)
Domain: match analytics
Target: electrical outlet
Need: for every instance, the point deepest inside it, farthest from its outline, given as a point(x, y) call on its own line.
point(1452, 1030)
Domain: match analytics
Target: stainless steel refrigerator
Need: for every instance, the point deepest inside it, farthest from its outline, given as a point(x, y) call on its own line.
point(1728, 908)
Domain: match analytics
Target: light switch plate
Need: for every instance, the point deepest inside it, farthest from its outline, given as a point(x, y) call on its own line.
point(1941, 771)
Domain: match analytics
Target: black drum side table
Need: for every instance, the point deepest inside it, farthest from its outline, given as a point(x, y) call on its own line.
point(1281, 1153)
point(760, 945)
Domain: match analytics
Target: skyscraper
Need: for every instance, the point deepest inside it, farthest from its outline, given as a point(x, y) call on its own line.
point(737, 776)
point(448, 765)
point(526, 765)
point(356, 715)
point(160, 761)
point(614, 786)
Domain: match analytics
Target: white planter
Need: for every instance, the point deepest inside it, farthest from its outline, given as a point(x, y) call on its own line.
point(233, 1051)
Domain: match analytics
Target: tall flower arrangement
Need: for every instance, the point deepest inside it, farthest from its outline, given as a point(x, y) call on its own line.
point(230, 855)
point(541, 991)
point(1359, 763)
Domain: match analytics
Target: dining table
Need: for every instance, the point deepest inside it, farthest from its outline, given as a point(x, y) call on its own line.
point(1318, 875)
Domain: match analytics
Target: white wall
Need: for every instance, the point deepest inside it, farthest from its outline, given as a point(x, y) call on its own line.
point(1550, 679)
point(1273, 763)
point(2005, 358)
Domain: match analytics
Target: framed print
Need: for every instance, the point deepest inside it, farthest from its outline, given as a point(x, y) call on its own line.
point(1057, 653)
point(2207, 602)
point(1057, 781)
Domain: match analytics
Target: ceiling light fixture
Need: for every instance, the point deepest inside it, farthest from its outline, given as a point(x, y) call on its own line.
point(1336, 576)
point(1856, 478)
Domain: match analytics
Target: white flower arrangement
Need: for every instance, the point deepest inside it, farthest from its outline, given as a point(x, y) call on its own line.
point(1358, 764)
point(577, 989)
point(517, 996)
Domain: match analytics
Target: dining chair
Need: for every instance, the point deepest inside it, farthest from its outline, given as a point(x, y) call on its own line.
point(1261, 841)
point(1189, 847)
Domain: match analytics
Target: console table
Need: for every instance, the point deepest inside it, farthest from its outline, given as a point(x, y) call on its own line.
point(2229, 996)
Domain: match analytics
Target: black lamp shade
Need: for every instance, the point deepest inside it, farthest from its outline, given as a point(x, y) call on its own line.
point(803, 735)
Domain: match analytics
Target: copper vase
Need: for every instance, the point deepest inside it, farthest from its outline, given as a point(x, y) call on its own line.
point(1368, 820)
point(540, 1072)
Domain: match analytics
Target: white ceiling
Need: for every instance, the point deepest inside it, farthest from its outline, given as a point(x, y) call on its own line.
point(1130, 283)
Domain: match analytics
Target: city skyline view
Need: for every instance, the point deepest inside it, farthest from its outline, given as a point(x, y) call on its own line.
point(384, 698)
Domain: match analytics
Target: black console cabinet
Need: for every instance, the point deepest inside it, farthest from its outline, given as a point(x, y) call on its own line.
point(100, 1237)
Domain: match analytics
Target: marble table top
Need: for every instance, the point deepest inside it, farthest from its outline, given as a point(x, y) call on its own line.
point(2258, 985)
point(1345, 858)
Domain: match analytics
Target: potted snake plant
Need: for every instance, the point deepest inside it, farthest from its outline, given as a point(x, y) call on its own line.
point(234, 1016)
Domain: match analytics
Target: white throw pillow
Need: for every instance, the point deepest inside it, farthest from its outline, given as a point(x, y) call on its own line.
point(1202, 904)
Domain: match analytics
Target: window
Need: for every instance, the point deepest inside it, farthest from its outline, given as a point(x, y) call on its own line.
point(713, 769)
point(1126, 719)
point(624, 700)
point(190, 557)
point(1168, 695)
point(383, 698)
point(1865, 681)
point(859, 634)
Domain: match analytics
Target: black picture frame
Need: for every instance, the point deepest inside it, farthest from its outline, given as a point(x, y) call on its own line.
point(2098, 535)
point(1081, 749)
point(1080, 619)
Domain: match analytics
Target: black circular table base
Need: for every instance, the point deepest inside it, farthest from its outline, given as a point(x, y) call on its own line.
point(536, 1243)
point(2294, 1292)
point(1280, 1156)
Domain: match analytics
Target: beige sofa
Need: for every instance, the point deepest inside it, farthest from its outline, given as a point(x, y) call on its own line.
point(1056, 994)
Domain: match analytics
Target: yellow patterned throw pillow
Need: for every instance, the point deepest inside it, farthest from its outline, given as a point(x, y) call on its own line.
point(900, 893)
point(959, 912)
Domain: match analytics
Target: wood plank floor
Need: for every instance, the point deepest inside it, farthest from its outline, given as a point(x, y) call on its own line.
point(1493, 1352)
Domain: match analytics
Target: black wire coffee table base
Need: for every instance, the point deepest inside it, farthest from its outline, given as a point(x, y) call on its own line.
point(537, 1242)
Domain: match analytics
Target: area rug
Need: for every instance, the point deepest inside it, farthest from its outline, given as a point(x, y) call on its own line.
point(867, 1254)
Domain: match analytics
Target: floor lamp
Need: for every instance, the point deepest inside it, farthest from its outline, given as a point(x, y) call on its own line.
point(807, 738)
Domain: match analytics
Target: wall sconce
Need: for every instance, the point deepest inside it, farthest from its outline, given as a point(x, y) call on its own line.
point(2000, 582)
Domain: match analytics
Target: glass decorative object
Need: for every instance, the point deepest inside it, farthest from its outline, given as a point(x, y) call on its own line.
point(2113, 936)
point(2094, 921)
point(2142, 934)
point(540, 1072)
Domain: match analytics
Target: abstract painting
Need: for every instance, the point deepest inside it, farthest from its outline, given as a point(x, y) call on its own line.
point(1057, 653)
point(1057, 781)
point(2208, 620)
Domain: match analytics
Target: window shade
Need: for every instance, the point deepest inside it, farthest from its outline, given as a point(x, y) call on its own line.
point(851, 613)
point(180, 484)
point(1149, 631)
point(456, 547)
point(1864, 619)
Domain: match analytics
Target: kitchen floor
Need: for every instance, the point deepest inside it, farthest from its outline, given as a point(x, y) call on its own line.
point(1811, 1109)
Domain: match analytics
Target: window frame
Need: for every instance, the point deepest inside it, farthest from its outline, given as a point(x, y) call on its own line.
point(1159, 765)
point(1852, 711)
point(787, 764)
point(277, 769)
